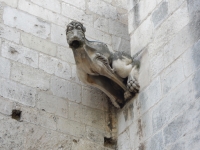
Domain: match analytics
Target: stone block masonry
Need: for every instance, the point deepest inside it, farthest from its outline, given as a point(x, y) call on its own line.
point(43, 105)
point(163, 116)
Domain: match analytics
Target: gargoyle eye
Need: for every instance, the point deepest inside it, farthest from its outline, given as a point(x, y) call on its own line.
point(70, 28)
point(78, 27)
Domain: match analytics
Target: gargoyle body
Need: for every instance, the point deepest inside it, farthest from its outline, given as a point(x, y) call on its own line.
point(113, 73)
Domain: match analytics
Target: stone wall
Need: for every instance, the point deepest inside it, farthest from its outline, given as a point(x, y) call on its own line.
point(166, 113)
point(43, 105)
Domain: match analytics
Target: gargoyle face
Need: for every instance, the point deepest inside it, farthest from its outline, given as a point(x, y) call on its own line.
point(75, 34)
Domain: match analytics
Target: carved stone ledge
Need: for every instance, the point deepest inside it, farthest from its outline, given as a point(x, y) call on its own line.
point(116, 74)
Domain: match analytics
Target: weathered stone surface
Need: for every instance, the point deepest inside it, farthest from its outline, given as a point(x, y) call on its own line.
point(95, 135)
point(102, 8)
point(52, 65)
point(43, 13)
point(172, 76)
point(71, 127)
point(30, 76)
point(15, 18)
point(65, 54)
point(38, 44)
point(83, 144)
point(177, 100)
point(4, 68)
point(53, 5)
point(118, 29)
point(124, 141)
point(17, 92)
point(52, 104)
point(93, 117)
point(12, 3)
point(150, 96)
point(76, 14)
point(20, 54)
point(58, 35)
point(160, 13)
point(94, 98)
point(77, 3)
point(182, 124)
point(6, 106)
point(101, 24)
point(66, 89)
point(9, 33)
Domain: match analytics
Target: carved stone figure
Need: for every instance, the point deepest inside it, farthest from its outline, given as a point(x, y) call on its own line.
point(115, 74)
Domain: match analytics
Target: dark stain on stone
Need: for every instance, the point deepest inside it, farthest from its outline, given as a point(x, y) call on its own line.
point(142, 147)
point(109, 142)
point(125, 112)
point(131, 107)
point(139, 132)
point(12, 50)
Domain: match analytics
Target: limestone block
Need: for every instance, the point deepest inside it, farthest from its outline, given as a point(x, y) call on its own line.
point(66, 54)
point(196, 81)
point(160, 13)
point(12, 3)
point(93, 117)
point(156, 142)
point(101, 24)
point(66, 89)
point(95, 135)
point(52, 104)
point(38, 44)
point(131, 4)
point(98, 36)
point(30, 76)
point(36, 137)
point(6, 106)
point(54, 66)
point(118, 29)
point(63, 70)
point(15, 18)
point(76, 14)
point(156, 64)
point(177, 45)
point(75, 112)
point(9, 33)
point(121, 121)
point(77, 3)
point(20, 54)
point(182, 124)
point(94, 98)
point(188, 141)
point(169, 28)
point(12, 134)
point(116, 42)
point(135, 134)
point(47, 63)
point(142, 36)
point(102, 8)
point(173, 5)
point(74, 76)
point(83, 144)
point(4, 68)
point(42, 12)
point(17, 92)
point(150, 96)
point(58, 35)
point(124, 141)
point(46, 120)
point(53, 5)
point(175, 102)
point(172, 76)
point(71, 127)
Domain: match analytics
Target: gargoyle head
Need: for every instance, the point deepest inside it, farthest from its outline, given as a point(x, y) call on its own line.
point(75, 34)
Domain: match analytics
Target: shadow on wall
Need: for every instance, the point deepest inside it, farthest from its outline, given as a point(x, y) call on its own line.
point(194, 14)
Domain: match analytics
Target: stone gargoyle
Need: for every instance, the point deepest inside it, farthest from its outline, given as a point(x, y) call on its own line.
point(116, 74)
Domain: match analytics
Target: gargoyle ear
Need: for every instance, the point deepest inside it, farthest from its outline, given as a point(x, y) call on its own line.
point(84, 29)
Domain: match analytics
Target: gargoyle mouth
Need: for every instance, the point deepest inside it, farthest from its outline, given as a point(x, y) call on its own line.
point(75, 44)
